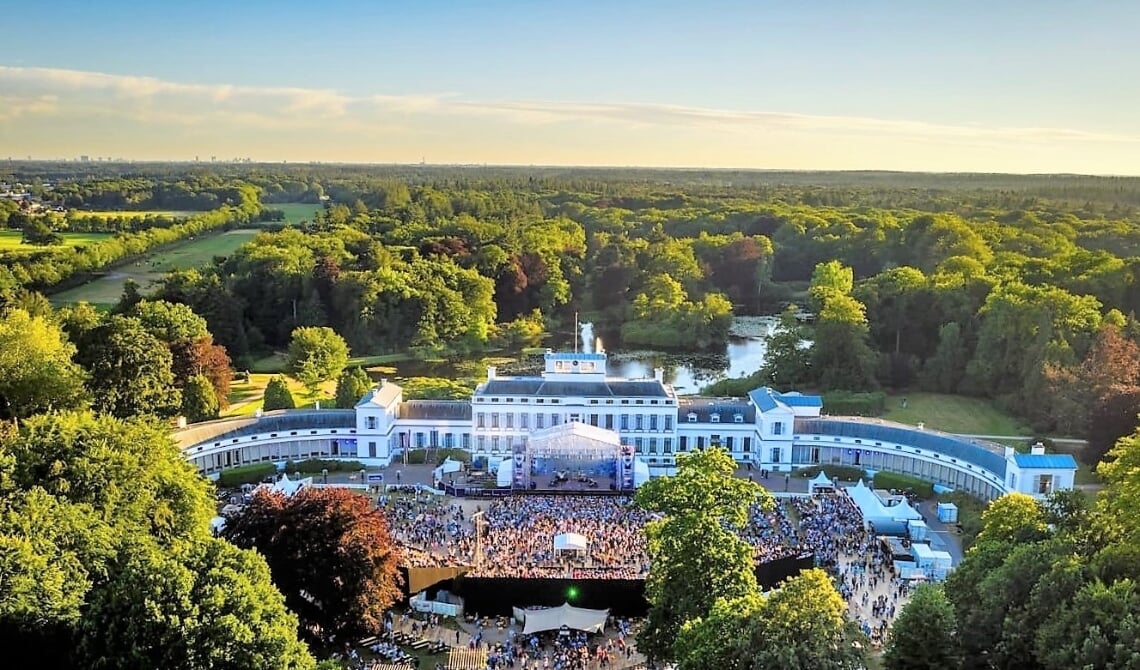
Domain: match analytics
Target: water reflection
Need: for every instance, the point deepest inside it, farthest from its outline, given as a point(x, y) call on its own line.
point(687, 372)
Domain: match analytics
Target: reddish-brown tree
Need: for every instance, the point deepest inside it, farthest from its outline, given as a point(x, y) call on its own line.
point(202, 357)
point(330, 554)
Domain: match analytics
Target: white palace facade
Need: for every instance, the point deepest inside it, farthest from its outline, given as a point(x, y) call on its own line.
point(769, 430)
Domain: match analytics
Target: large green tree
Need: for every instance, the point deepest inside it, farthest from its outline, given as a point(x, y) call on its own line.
point(351, 387)
point(277, 395)
point(205, 606)
point(924, 637)
point(696, 550)
point(36, 369)
point(317, 355)
point(130, 370)
point(800, 625)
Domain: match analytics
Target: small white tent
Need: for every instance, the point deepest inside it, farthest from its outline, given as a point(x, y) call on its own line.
point(570, 542)
point(554, 618)
point(821, 484)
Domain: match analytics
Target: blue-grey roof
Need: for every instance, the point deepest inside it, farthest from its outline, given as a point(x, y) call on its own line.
point(1046, 461)
point(704, 408)
point(800, 400)
point(436, 409)
point(537, 386)
point(567, 356)
point(270, 422)
point(941, 443)
point(764, 398)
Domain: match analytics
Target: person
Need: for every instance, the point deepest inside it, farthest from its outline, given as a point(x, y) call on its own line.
point(397, 476)
point(787, 481)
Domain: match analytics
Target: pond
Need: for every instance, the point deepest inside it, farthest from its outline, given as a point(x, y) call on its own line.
point(687, 372)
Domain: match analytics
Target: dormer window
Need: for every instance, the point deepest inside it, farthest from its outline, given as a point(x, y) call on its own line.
point(714, 417)
point(738, 418)
point(692, 417)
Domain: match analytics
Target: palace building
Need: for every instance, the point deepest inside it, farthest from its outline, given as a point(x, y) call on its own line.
point(769, 430)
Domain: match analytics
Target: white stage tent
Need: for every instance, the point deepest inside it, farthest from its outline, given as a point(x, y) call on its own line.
point(821, 484)
point(886, 520)
point(554, 618)
point(570, 542)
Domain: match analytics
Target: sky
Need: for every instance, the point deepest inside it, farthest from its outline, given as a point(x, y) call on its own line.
point(1011, 86)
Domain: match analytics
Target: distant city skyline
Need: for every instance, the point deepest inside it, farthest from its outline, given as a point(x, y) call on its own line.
point(1017, 87)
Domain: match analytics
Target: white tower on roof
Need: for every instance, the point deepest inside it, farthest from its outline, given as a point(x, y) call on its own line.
point(569, 367)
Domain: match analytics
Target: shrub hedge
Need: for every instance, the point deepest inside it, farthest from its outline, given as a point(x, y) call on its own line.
point(893, 480)
point(849, 403)
point(840, 473)
point(316, 465)
point(246, 474)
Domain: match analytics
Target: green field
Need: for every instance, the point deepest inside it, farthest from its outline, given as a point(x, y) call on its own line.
point(189, 254)
point(953, 414)
point(10, 240)
point(296, 212)
point(135, 213)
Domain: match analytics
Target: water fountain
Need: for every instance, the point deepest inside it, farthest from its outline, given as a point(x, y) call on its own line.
point(587, 338)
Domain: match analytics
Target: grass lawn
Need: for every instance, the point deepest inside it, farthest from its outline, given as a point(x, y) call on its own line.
point(183, 256)
point(276, 362)
point(246, 397)
point(10, 240)
point(953, 414)
point(137, 214)
point(296, 212)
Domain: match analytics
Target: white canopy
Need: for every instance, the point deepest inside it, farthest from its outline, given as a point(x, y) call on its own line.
point(575, 618)
point(570, 542)
point(820, 482)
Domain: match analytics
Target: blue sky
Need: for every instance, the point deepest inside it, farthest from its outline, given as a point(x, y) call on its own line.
point(1007, 86)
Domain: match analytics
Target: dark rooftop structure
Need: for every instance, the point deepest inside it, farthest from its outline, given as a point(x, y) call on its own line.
point(436, 409)
point(537, 386)
point(725, 409)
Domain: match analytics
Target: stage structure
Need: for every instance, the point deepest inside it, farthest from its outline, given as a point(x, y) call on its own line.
point(572, 456)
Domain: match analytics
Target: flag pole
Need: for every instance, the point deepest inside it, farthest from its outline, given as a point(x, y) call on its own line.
point(576, 332)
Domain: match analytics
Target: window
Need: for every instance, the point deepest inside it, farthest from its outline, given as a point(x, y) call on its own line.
point(639, 445)
point(652, 422)
point(494, 420)
point(510, 399)
point(481, 442)
point(372, 450)
point(738, 418)
point(653, 445)
point(692, 417)
point(714, 417)
point(1045, 484)
point(778, 428)
point(540, 421)
point(668, 445)
point(370, 423)
point(728, 443)
point(747, 448)
point(609, 422)
point(524, 421)
point(494, 443)
point(554, 419)
point(594, 402)
point(510, 417)
point(419, 440)
point(625, 422)
point(467, 441)
point(684, 443)
point(775, 454)
point(639, 420)
point(700, 442)
point(593, 419)
point(668, 422)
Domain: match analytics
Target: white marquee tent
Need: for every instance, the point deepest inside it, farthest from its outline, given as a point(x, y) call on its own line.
point(554, 618)
point(570, 542)
point(821, 484)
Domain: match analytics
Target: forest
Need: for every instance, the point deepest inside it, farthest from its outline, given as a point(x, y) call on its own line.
point(1022, 290)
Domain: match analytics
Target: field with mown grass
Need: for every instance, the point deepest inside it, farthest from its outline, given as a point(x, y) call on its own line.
point(953, 414)
point(191, 253)
point(10, 241)
point(248, 397)
point(296, 212)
